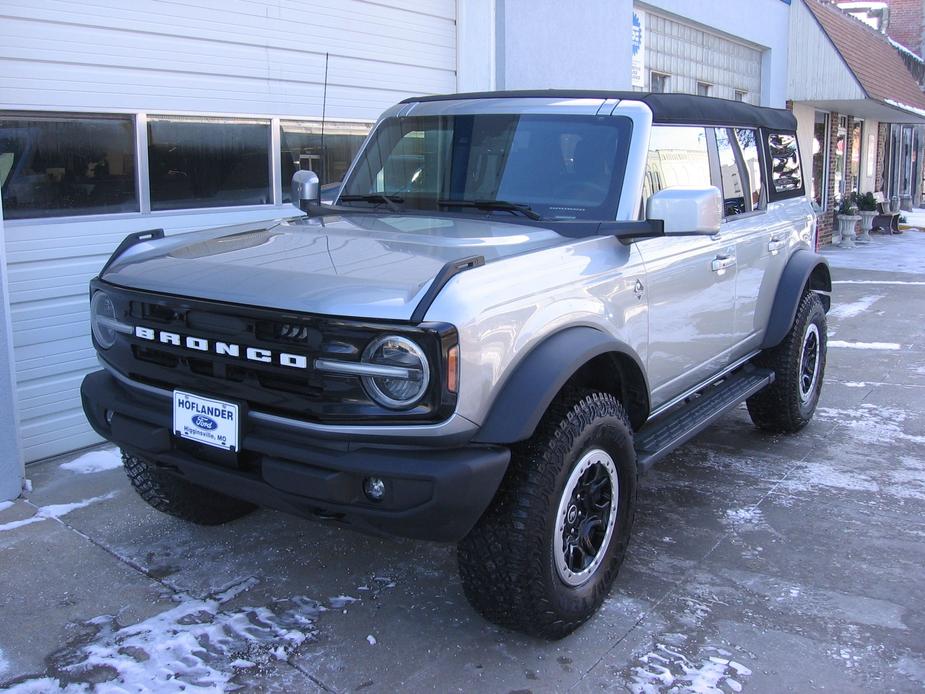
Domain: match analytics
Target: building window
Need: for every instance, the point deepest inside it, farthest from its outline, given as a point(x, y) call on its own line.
point(821, 145)
point(786, 175)
point(854, 180)
point(703, 89)
point(841, 146)
point(740, 95)
point(301, 148)
point(658, 82)
point(677, 157)
point(54, 166)
point(208, 162)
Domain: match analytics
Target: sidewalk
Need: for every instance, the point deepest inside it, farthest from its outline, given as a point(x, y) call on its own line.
point(763, 563)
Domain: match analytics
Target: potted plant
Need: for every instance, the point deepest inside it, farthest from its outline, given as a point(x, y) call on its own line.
point(867, 209)
point(847, 219)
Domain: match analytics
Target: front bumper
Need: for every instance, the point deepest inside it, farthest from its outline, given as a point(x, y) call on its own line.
point(432, 492)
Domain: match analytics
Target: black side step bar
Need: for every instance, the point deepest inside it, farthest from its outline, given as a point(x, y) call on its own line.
point(658, 438)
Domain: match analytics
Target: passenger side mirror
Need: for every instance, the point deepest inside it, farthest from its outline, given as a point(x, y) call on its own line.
point(687, 211)
point(306, 189)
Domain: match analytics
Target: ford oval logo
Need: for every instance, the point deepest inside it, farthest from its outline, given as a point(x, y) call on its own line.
point(203, 422)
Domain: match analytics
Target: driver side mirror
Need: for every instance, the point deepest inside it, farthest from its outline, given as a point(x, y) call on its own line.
point(687, 211)
point(306, 189)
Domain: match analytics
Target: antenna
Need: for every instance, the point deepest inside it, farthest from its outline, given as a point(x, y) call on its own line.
point(324, 106)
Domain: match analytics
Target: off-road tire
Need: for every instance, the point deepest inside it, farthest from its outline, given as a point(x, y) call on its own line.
point(507, 562)
point(171, 494)
point(780, 407)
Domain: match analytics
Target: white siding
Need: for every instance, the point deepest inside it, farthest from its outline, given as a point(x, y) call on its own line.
point(233, 57)
point(817, 71)
point(689, 54)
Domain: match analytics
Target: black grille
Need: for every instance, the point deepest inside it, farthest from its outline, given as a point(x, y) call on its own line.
point(270, 387)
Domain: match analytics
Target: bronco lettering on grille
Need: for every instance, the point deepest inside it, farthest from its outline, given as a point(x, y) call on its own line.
point(264, 356)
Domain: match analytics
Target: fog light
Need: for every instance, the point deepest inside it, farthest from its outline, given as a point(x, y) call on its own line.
point(374, 488)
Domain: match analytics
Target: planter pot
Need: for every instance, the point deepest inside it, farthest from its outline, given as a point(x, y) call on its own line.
point(846, 224)
point(867, 222)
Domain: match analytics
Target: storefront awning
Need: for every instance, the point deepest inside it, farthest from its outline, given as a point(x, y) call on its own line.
point(838, 63)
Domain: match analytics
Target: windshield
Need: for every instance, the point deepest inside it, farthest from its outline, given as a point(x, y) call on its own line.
point(556, 166)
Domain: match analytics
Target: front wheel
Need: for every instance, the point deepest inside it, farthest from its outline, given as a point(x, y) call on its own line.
point(543, 557)
point(788, 404)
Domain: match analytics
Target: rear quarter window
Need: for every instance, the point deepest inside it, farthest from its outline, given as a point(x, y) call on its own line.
point(784, 171)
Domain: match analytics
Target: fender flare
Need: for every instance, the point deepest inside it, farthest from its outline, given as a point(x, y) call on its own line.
point(793, 281)
point(537, 379)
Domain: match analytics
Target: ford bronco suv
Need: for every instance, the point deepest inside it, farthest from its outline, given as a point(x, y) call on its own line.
point(517, 304)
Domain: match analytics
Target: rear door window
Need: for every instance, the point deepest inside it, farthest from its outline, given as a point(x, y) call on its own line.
point(740, 170)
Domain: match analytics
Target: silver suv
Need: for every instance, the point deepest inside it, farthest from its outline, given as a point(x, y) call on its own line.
point(517, 304)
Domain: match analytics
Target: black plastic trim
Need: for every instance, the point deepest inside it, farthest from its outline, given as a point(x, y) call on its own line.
point(789, 291)
point(446, 273)
point(129, 241)
point(538, 378)
point(433, 493)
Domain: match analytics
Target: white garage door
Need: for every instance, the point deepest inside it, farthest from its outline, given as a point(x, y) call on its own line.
point(234, 61)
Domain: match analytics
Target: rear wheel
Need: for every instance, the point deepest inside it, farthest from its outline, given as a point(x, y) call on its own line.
point(174, 495)
point(543, 557)
point(798, 362)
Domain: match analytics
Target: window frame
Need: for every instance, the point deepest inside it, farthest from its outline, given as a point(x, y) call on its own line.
point(667, 78)
point(708, 88)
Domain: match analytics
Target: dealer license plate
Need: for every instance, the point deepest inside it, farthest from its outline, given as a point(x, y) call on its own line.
point(212, 422)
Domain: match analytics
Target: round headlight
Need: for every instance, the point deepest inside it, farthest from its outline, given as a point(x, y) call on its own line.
point(103, 319)
point(405, 372)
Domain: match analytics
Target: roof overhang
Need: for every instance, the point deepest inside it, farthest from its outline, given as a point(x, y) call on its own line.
point(869, 109)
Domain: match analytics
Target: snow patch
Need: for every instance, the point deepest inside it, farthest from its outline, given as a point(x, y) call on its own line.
point(371, 640)
point(745, 518)
point(55, 511)
point(339, 602)
point(855, 308)
point(667, 669)
point(94, 461)
point(887, 282)
point(864, 345)
point(195, 646)
point(4, 505)
point(855, 384)
point(871, 424)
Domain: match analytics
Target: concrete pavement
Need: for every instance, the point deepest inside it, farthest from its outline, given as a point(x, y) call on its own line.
point(759, 563)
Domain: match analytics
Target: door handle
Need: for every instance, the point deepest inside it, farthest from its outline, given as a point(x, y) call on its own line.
point(721, 263)
point(775, 245)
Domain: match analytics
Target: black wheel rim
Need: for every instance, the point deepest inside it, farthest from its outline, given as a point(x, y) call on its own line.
point(809, 362)
point(586, 517)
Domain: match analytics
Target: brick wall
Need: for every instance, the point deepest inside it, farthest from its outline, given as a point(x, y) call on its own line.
point(883, 132)
point(907, 23)
point(826, 221)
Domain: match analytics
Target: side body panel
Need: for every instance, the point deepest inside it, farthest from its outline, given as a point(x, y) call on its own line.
point(691, 309)
point(507, 308)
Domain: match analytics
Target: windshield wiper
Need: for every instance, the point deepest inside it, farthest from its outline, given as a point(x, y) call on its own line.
point(381, 198)
point(503, 205)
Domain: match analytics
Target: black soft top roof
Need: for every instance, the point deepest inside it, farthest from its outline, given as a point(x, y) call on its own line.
point(666, 108)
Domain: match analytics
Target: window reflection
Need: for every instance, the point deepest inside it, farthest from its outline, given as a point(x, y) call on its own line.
point(52, 166)
point(208, 162)
point(300, 149)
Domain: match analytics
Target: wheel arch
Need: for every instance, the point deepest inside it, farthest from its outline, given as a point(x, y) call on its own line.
point(804, 271)
point(578, 356)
